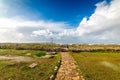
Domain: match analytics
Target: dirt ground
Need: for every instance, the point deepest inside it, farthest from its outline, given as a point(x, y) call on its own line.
point(16, 58)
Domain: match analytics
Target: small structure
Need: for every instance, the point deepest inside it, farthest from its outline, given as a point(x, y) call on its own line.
point(51, 53)
point(64, 47)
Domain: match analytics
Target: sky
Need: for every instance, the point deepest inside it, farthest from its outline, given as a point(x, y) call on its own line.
point(66, 21)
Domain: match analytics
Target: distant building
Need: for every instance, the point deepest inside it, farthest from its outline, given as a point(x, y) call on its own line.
point(64, 47)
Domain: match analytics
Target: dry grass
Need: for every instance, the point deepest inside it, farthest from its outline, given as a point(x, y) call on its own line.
point(98, 65)
point(13, 67)
point(94, 48)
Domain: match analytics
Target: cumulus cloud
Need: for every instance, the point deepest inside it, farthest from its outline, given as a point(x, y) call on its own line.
point(45, 33)
point(103, 24)
point(7, 35)
point(101, 27)
point(12, 29)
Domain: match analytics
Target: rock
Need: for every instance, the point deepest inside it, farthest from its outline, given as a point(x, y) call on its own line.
point(53, 53)
point(33, 65)
point(76, 78)
point(28, 54)
point(51, 77)
point(56, 68)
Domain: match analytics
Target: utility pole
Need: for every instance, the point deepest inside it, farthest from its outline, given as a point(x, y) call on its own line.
point(51, 40)
point(51, 43)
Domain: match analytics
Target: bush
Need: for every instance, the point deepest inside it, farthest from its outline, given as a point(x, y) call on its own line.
point(41, 53)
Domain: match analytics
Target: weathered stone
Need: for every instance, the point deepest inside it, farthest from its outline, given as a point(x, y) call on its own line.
point(33, 65)
point(51, 77)
point(76, 78)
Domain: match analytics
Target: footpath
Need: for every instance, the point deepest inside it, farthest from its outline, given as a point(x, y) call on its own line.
point(67, 70)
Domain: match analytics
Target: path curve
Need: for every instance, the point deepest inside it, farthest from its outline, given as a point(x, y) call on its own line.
point(67, 70)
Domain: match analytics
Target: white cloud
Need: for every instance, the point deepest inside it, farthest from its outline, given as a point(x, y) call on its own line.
point(103, 24)
point(15, 29)
point(16, 22)
point(7, 35)
point(68, 32)
point(45, 33)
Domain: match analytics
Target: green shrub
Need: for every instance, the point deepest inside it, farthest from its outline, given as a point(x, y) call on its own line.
point(41, 53)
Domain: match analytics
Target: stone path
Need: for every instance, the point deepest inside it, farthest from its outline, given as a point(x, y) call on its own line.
point(67, 70)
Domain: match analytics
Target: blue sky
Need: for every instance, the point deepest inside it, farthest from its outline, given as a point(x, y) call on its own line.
point(69, 11)
point(67, 21)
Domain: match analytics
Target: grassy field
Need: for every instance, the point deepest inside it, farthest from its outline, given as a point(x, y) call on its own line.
point(94, 47)
point(98, 65)
point(13, 52)
point(30, 46)
point(14, 65)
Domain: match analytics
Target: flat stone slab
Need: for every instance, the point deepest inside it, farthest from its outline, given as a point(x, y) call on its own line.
point(33, 65)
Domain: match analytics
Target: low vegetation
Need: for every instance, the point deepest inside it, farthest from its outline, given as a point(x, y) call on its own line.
point(11, 69)
point(30, 46)
point(61, 47)
point(98, 65)
point(94, 48)
point(40, 53)
point(29, 61)
point(14, 52)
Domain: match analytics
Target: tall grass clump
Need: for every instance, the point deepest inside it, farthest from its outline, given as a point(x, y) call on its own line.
point(41, 53)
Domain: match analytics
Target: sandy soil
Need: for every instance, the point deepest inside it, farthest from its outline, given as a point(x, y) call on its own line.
point(16, 58)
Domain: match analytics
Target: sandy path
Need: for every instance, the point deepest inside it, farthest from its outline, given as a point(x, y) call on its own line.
point(67, 69)
point(16, 58)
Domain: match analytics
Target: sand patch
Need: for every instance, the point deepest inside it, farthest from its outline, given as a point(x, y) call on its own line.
point(16, 58)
